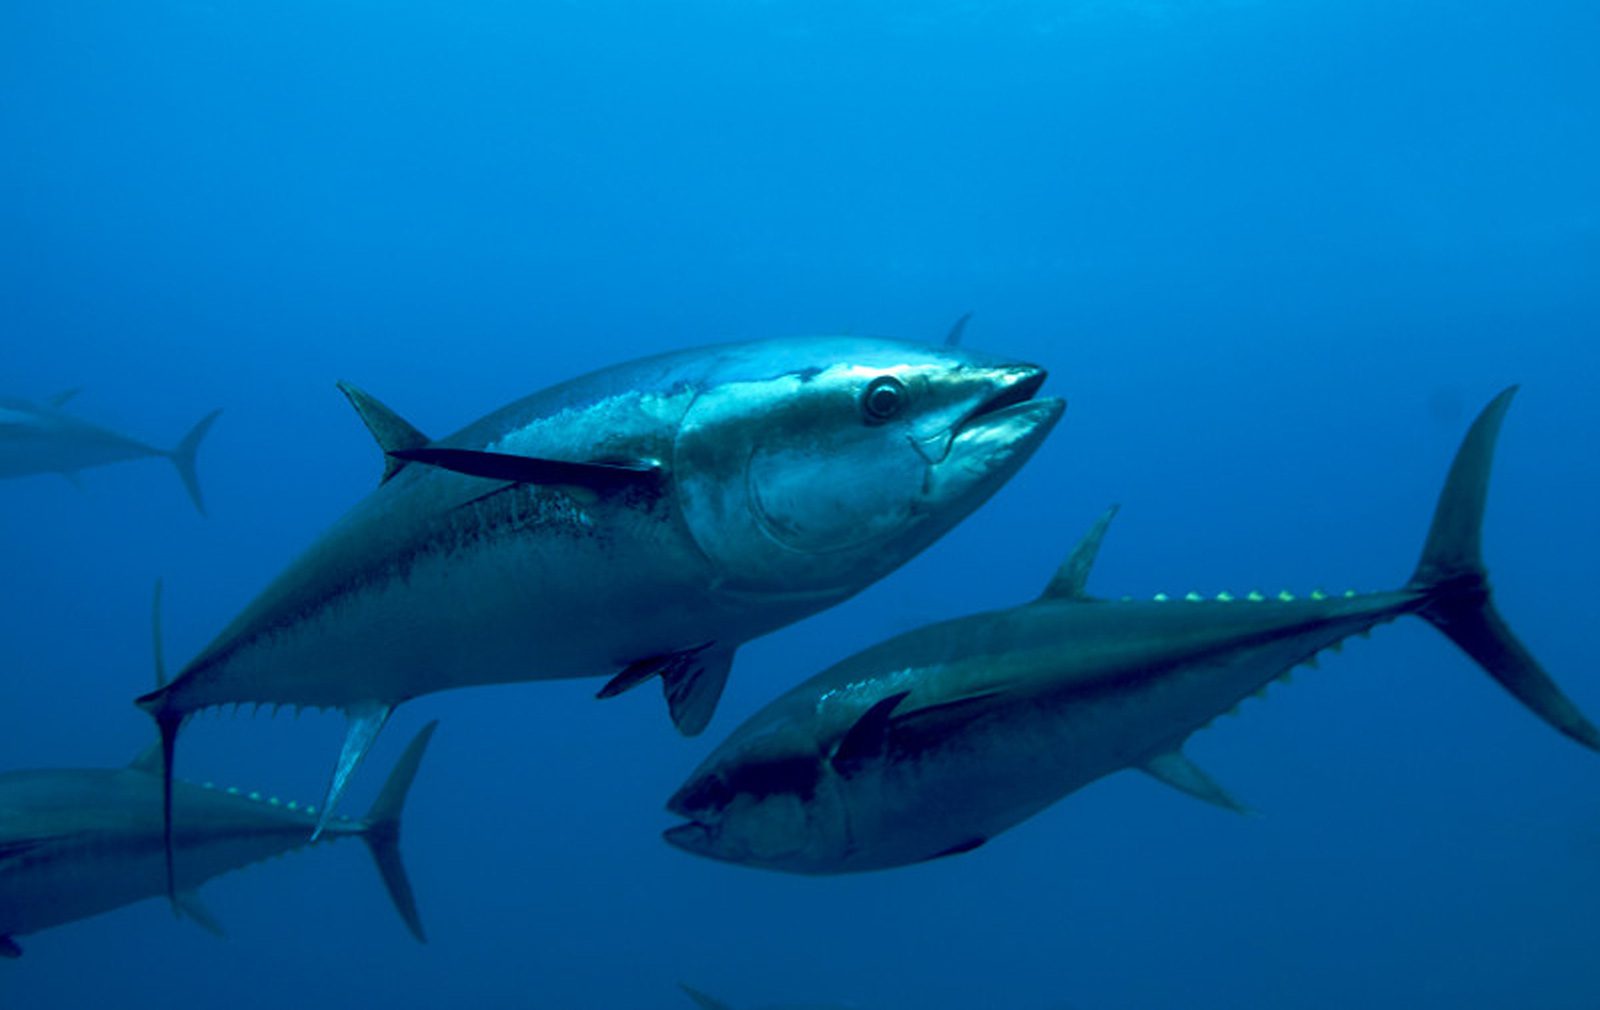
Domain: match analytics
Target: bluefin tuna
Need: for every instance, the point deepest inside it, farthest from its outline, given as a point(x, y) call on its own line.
point(640, 521)
point(37, 438)
point(79, 842)
point(933, 742)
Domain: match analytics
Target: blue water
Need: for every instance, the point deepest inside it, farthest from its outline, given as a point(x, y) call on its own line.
point(1275, 256)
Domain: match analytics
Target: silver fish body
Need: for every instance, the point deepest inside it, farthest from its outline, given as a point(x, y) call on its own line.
point(935, 741)
point(643, 520)
point(439, 580)
point(79, 842)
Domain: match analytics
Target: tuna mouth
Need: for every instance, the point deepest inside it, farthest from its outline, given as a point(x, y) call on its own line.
point(693, 837)
point(1017, 388)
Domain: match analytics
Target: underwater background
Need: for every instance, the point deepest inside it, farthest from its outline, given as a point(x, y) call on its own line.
point(1274, 255)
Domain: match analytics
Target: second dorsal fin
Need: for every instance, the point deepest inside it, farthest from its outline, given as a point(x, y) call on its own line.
point(392, 432)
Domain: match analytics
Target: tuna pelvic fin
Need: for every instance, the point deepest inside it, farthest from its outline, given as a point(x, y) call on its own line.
point(1073, 575)
point(1455, 585)
point(691, 679)
point(693, 689)
point(703, 1001)
point(534, 470)
point(383, 831)
point(392, 431)
point(183, 457)
point(1177, 771)
point(9, 948)
point(365, 722)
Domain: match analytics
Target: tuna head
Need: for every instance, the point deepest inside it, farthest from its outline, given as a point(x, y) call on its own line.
point(766, 798)
point(811, 469)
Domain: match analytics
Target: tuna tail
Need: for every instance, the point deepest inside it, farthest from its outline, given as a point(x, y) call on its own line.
point(183, 458)
point(383, 831)
point(1455, 584)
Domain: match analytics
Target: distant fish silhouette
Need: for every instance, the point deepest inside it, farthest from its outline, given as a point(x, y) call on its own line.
point(934, 741)
point(77, 842)
point(38, 438)
point(711, 1003)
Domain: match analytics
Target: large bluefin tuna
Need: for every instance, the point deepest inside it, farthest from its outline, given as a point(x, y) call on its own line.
point(76, 842)
point(38, 438)
point(644, 520)
point(933, 742)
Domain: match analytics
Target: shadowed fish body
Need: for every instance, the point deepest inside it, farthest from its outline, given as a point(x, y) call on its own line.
point(78, 842)
point(39, 438)
point(932, 742)
point(640, 521)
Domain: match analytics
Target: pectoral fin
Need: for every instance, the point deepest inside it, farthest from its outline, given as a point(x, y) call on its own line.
point(9, 948)
point(365, 722)
point(64, 397)
point(188, 903)
point(1184, 775)
point(868, 739)
point(534, 470)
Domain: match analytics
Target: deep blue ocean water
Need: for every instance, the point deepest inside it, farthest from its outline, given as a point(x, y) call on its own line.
point(1275, 256)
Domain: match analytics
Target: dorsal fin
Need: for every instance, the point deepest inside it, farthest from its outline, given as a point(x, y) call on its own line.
point(953, 337)
point(393, 432)
point(1073, 575)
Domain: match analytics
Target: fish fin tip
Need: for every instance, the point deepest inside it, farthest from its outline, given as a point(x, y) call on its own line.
point(188, 905)
point(183, 457)
point(1175, 769)
point(952, 337)
point(693, 684)
point(363, 723)
point(701, 1000)
point(1071, 580)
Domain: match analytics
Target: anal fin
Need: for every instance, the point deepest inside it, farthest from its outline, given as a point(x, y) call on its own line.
point(1177, 771)
point(365, 722)
point(188, 903)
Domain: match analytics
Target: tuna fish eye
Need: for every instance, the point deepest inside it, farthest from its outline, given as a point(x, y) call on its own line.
point(885, 396)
